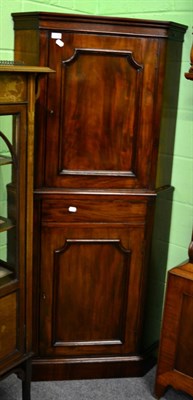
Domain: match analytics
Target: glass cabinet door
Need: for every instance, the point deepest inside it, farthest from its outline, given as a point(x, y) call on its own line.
point(11, 202)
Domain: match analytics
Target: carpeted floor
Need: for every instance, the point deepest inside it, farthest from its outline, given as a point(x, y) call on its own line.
point(102, 389)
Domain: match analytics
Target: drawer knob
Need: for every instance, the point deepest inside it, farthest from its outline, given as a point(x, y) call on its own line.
point(72, 209)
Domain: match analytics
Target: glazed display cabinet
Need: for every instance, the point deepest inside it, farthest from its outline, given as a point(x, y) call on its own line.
point(17, 106)
point(104, 121)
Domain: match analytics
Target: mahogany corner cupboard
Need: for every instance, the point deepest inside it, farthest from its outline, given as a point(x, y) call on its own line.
point(175, 363)
point(105, 125)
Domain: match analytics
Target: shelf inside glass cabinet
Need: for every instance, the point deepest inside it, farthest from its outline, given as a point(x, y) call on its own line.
point(6, 273)
point(4, 160)
point(5, 224)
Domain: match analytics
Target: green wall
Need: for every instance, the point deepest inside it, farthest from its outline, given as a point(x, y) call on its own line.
point(180, 11)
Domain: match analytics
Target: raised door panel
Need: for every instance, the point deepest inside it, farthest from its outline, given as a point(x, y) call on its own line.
point(90, 289)
point(101, 111)
point(83, 283)
point(95, 133)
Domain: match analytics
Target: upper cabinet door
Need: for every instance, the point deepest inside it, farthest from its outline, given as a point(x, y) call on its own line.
point(101, 105)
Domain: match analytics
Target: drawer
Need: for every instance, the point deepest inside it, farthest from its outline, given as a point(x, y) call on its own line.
point(92, 210)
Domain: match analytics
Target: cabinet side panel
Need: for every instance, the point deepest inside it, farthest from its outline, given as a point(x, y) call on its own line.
point(171, 71)
point(27, 47)
point(8, 325)
point(184, 348)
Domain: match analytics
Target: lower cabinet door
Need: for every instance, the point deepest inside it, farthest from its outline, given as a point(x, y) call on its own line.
point(92, 280)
